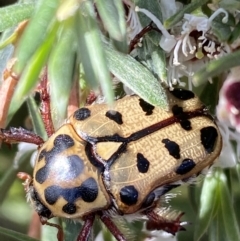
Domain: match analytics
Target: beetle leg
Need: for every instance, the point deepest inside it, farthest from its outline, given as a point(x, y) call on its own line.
point(112, 227)
point(15, 135)
point(60, 235)
point(86, 229)
point(45, 108)
point(168, 222)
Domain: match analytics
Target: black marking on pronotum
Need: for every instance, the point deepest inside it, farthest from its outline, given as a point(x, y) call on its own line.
point(88, 191)
point(208, 138)
point(82, 114)
point(129, 195)
point(172, 147)
point(182, 117)
point(69, 208)
point(182, 94)
point(115, 116)
point(186, 166)
point(142, 163)
point(146, 107)
point(61, 143)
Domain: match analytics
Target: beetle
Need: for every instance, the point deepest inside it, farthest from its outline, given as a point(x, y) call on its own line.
point(119, 160)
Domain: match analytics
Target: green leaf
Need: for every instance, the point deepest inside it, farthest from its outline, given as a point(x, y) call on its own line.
point(71, 230)
point(170, 22)
point(216, 67)
point(235, 33)
point(36, 118)
point(91, 52)
point(36, 32)
point(210, 95)
point(122, 45)
point(61, 68)
point(229, 5)
point(159, 66)
point(49, 232)
point(20, 160)
point(208, 204)
point(136, 77)
point(222, 30)
point(217, 213)
point(231, 226)
point(29, 77)
point(16, 235)
point(11, 15)
point(112, 18)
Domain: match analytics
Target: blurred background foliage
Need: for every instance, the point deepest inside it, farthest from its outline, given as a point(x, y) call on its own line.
point(84, 44)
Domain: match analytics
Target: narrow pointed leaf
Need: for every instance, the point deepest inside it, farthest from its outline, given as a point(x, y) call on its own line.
point(37, 121)
point(22, 158)
point(91, 52)
point(11, 15)
point(136, 77)
point(35, 32)
point(222, 30)
point(216, 67)
point(231, 226)
point(60, 70)
point(30, 75)
point(207, 206)
point(71, 230)
point(112, 18)
point(16, 235)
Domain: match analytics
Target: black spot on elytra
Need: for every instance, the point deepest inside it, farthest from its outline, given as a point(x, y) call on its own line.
point(88, 191)
point(186, 166)
point(146, 107)
point(42, 174)
point(129, 195)
point(181, 117)
point(172, 147)
point(142, 163)
point(81, 114)
point(208, 138)
point(186, 125)
point(148, 200)
point(177, 110)
point(115, 116)
point(182, 94)
point(52, 193)
point(61, 143)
